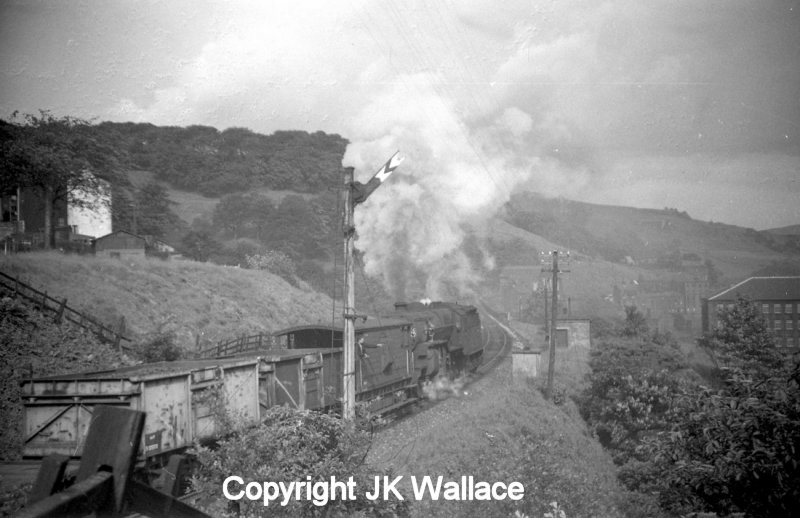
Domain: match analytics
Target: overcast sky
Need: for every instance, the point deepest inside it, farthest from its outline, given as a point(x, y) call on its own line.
point(690, 104)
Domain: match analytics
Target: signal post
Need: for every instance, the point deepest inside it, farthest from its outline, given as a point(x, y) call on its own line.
point(354, 193)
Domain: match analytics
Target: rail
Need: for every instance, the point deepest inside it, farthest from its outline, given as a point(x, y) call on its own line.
point(62, 311)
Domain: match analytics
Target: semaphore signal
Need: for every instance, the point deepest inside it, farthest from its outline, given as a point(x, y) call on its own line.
point(355, 193)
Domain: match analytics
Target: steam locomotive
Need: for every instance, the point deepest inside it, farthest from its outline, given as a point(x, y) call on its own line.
point(395, 356)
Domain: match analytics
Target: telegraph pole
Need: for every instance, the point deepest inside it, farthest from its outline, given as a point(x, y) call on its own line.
point(546, 320)
point(354, 193)
point(551, 364)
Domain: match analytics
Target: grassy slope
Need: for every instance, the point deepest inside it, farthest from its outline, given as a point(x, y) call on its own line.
point(192, 299)
point(499, 430)
point(647, 233)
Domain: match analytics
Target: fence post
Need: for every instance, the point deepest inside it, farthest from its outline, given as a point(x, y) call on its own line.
point(60, 312)
point(120, 331)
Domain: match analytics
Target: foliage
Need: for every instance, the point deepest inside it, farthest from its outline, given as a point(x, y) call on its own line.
point(629, 392)
point(63, 158)
point(741, 340)
point(198, 245)
point(635, 323)
point(731, 450)
point(295, 227)
point(153, 213)
point(734, 448)
point(292, 445)
point(160, 347)
point(212, 162)
point(274, 262)
point(725, 450)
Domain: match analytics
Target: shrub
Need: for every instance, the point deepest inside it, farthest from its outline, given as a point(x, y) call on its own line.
point(293, 445)
point(160, 347)
point(274, 262)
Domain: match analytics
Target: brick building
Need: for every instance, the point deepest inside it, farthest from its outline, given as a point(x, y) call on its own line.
point(778, 299)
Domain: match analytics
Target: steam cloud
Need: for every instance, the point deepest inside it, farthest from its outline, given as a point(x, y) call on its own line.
point(454, 178)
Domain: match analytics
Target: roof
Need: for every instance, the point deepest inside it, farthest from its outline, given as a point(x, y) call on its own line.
point(763, 288)
point(117, 232)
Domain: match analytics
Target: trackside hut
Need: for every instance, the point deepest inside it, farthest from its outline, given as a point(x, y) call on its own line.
point(119, 244)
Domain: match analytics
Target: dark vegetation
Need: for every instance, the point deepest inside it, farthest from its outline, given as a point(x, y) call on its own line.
point(724, 445)
point(212, 162)
point(292, 445)
point(59, 159)
point(32, 344)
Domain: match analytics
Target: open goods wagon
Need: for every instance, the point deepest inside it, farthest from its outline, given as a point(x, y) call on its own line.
point(302, 368)
point(182, 399)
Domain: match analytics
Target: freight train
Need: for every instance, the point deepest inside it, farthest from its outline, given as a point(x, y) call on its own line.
point(302, 367)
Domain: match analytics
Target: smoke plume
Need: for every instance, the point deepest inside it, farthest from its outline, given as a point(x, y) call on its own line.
point(454, 178)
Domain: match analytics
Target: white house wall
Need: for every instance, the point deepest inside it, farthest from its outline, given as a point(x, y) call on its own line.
point(96, 222)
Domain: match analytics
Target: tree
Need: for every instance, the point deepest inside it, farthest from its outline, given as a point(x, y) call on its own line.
point(635, 322)
point(742, 340)
point(152, 211)
point(199, 245)
point(63, 159)
point(733, 449)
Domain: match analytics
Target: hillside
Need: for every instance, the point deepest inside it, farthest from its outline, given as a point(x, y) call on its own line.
point(201, 303)
point(655, 239)
point(791, 230)
point(212, 162)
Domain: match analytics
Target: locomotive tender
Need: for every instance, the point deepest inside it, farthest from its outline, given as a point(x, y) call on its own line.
point(395, 356)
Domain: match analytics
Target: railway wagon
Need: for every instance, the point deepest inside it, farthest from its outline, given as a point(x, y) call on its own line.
point(183, 399)
point(178, 397)
point(388, 368)
point(302, 368)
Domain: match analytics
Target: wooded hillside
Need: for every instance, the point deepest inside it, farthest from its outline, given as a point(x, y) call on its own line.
point(212, 162)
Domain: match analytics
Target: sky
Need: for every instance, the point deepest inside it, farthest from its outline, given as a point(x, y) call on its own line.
point(691, 104)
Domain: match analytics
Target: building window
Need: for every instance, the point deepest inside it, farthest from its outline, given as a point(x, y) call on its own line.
point(765, 308)
point(789, 325)
point(730, 307)
point(778, 324)
point(777, 308)
point(788, 309)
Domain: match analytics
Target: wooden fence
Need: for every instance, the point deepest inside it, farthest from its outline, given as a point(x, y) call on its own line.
point(241, 344)
point(62, 312)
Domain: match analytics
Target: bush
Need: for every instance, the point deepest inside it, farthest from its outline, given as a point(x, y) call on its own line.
point(160, 347)
point(294, 445)
point(275, 262)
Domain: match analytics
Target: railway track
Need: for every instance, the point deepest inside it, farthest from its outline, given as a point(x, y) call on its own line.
point(497, 341)
point(499, 338)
